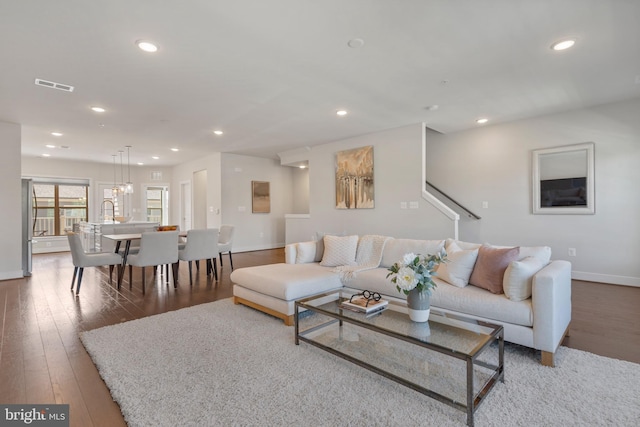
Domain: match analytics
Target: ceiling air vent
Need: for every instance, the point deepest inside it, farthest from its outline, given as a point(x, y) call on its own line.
point(54, 85)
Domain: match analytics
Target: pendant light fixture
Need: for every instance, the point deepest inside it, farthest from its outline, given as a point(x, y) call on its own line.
point(129, 186)
point(114, 189)
point(122, 186)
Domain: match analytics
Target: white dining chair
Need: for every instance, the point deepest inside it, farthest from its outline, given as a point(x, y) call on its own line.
point(225, 241)
point(156, 249)
point(201, 244)
point(81, 259)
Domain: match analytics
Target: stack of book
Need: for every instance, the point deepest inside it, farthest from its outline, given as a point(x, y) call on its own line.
point(362, 305)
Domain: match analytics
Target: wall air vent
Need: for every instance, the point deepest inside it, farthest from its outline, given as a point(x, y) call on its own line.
point(54, 85)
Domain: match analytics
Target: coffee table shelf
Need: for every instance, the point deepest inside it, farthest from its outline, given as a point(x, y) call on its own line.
point(425, 357)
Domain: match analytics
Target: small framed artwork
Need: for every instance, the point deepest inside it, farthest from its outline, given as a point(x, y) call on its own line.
point(260, 197)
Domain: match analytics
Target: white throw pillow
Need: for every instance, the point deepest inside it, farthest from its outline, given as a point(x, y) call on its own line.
point(339, 250)
point(459, 267)
point(320, 244)
point(518, 278)
point(305, 252)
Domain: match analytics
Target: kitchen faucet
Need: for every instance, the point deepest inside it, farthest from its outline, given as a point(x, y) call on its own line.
point(102, 210)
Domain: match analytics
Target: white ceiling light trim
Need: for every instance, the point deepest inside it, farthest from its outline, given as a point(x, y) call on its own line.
point(563, 44)
point(147, 46)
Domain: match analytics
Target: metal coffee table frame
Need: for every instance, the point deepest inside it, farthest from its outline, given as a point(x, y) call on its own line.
point(328, 304)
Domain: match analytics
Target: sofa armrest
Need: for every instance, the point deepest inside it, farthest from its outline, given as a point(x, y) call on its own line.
point(290, 252)
point(551, 293)
point(307, 252)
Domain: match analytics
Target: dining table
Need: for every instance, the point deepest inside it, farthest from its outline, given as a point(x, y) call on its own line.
point(127, 238)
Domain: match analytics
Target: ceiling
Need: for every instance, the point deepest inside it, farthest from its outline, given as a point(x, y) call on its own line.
point(272, 74)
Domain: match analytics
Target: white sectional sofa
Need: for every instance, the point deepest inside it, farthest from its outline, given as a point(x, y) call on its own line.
point(532, 302)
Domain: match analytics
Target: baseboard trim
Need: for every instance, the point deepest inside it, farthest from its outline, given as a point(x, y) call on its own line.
point(606, 278)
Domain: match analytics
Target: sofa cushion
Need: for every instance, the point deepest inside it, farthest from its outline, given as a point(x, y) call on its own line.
point(339, 250)
point(287, 281)
point(305, 252)
point(395, 249)
point(542, 253)
point(479, 302)
point(491, 264)
point(470, 300)
point(459, 265)
point(518, 278)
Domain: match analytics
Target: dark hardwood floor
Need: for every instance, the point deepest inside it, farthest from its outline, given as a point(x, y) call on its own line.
point(43, 361)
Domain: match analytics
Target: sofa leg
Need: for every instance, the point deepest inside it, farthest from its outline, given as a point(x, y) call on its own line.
point(289, 320)
point(546, 358)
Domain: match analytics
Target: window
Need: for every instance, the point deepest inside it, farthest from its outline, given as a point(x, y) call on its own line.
point(157, 204)
point(57, 207)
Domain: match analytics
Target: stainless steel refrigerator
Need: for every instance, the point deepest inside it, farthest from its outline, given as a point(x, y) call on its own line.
point(28, 218)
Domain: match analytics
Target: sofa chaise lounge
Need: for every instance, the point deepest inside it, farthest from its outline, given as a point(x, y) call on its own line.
point(528, 293)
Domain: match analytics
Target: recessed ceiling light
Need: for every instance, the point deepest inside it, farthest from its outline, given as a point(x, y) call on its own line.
point(302, 167)
point(218, 132)
point(175, 149)
point(155, 157)
point(563, 44)
point(341, 113)
point(140, 164)
point(355, 43)
point(56, 134)
point(147, 46)
point(50, 146)
point(98, 109)
point(46, 155)
point(482, 121)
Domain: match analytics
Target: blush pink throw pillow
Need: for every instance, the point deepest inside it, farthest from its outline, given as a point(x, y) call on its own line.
point(491, 264)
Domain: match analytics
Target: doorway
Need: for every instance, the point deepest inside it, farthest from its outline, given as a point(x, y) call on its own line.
point(185, 205)
point(200, 199)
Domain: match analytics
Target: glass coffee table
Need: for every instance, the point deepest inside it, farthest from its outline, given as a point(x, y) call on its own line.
point(428, 357)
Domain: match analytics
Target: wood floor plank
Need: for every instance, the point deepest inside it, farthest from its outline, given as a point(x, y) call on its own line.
point(42, 359)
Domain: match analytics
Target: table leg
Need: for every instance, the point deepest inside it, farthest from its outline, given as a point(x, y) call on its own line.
point(124, 260)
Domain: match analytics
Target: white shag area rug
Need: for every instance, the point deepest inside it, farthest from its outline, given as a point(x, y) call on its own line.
point(220, 364)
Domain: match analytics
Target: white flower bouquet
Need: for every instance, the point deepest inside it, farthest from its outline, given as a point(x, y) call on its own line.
point(416, 272)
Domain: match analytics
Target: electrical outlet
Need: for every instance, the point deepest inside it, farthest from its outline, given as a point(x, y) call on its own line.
point(485, 205)
point(572, 251)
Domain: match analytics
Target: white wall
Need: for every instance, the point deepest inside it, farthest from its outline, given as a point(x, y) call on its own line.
point(259, 230)
point(397, 179)
point(493, 164)
point(300, 191)
point(213, 204)
point(11, 224)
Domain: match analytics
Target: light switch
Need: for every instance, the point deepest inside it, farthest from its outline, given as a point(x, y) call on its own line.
point(414, 205)
point(241, 209)
point(485, 205)
point(403, 205)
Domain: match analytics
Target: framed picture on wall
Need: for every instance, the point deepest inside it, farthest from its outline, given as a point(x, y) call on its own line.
point(354, 178)
point(260, 197)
